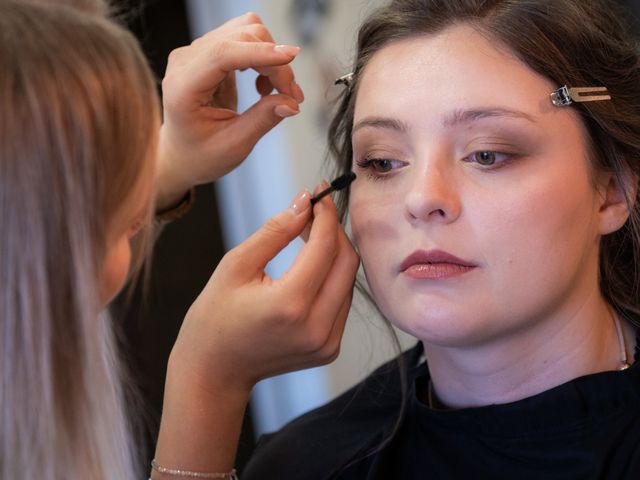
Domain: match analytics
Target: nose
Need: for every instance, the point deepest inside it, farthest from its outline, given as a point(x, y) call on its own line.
point(433, 196)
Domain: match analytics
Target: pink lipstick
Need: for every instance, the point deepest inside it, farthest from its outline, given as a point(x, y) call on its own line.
point(434, 264)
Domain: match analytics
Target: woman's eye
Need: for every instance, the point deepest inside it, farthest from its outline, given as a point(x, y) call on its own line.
point(379, 165)
point(488, 158)
point(382, 165)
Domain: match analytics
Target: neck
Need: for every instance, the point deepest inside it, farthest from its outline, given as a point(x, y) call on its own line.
point(545, 354)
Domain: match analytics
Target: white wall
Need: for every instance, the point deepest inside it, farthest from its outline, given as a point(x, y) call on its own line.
point(288, 159)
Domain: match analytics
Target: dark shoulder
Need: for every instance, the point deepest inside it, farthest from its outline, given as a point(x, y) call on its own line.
point(325, 439)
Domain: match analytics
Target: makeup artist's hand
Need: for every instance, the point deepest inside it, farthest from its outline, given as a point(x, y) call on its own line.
point(245, 326)
point(204, 136)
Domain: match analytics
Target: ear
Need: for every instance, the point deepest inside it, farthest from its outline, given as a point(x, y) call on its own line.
point(618, 198)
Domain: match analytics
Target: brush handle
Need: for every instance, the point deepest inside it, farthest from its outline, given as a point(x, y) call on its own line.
point(340, 183)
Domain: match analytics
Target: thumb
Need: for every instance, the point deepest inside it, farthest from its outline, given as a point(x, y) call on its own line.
point(262, 116)
point(252, 255)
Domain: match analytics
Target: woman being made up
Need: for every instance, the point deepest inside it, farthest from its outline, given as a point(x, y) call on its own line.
point(81, 146)
point(496, 216)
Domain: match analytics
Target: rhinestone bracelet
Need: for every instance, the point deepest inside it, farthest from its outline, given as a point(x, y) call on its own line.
point(186, 473)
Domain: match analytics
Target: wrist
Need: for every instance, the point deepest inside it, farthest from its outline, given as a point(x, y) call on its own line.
point(201, 422)
point(210, 380)
point(172, 182)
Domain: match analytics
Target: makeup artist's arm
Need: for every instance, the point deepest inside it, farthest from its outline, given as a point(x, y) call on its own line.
point(203, 136)
point(245, 326)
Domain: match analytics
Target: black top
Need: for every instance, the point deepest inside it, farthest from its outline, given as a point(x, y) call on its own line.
point(588, 428)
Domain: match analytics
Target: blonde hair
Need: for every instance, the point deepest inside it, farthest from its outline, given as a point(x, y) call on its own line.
point(79, 114)
point(96, 7)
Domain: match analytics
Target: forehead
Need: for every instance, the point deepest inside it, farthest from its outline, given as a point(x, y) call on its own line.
point(458, 68)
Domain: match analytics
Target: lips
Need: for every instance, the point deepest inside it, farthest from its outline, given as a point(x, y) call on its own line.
point(434, 264)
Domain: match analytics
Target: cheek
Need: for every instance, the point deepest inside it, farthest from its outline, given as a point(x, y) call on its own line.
point(376, 226)
point(541, 238)
point(374, 221)
point(116, 269)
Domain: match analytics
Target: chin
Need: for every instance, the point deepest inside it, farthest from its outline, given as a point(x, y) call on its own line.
point(444, 328)
point(112, 284)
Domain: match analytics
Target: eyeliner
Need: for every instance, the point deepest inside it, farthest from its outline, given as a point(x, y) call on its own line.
point(340, 183)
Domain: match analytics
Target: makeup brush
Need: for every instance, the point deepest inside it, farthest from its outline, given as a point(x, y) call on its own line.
point(340, 183)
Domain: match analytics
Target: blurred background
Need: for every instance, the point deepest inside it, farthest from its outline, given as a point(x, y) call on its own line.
point(290, 158)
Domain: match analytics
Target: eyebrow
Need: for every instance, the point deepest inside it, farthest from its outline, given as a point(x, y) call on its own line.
point(467, 116)
point(455, 118)
point(380, 122)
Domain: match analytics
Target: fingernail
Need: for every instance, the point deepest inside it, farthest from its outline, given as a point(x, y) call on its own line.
point(285, 111)
point(301, 203)
point(298, 94)
point(289, 50)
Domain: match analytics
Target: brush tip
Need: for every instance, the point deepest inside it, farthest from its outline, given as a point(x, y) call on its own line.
point(343, 181)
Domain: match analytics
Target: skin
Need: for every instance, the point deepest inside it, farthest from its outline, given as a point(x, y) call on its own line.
point(527, 315)
point(133, 215)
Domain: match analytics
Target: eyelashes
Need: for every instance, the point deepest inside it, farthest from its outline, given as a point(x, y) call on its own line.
point(490, 159)
point(379, 165)
point(378, 168)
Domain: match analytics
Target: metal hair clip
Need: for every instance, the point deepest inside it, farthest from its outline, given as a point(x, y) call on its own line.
point(566, 96)
point(345, 80)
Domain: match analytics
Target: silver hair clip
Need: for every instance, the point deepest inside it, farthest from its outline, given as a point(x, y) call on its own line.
point(345, 80)
point(566, 96)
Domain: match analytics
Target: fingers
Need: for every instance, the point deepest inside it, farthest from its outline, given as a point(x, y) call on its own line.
point(242, 42)
point(249, 259)
point(256, 121)
point(322, 347)
point(280, 77)
point(331, 348)
point(323, 323)
point(304, 235)
point(328, 313)
point(265, 87)
point(315, 259)
point(208, 68)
